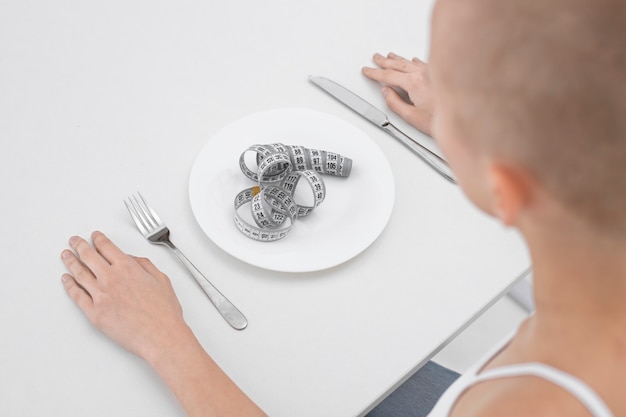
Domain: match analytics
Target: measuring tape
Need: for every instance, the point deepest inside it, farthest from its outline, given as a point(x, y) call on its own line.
point(279, 171)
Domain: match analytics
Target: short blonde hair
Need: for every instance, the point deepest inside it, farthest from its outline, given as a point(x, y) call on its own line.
point(548, 82)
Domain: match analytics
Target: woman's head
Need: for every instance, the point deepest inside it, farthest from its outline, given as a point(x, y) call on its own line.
point(536, 90)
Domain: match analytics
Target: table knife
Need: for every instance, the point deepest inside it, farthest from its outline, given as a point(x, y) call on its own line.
point(381, 120)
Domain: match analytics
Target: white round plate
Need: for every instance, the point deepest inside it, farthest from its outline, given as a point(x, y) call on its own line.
point(354, 213)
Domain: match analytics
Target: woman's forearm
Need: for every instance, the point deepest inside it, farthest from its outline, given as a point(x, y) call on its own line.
point(201, 387)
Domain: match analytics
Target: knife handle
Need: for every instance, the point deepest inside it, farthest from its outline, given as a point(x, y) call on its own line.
point(432, 159)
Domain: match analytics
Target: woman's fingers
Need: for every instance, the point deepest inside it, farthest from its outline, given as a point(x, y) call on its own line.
point(386, 76)
point(106, 248)
point(394, 70)
point(397, 104)
point(89, 256)
point(80, 273)
point(394, 62)
point(418, 118)
point(77, 294)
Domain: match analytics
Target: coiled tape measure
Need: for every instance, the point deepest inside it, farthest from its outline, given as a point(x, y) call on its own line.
point(280, 170)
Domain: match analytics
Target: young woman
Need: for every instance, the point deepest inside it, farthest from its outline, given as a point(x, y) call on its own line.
point(527, 100)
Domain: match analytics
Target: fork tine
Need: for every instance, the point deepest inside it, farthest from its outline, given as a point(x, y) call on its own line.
point(154, 216)
point(143, 213)
point(135, 216)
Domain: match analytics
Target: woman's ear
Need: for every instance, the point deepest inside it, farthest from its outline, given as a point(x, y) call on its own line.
point(511, 189)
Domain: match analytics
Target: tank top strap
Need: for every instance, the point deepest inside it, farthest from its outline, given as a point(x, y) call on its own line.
point(587, 396)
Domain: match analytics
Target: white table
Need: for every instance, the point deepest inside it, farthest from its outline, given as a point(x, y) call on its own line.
point(99, 99)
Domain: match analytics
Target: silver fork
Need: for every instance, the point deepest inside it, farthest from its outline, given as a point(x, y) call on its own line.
point(155, 231)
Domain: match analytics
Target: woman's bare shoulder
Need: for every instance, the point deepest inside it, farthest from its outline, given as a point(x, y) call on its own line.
point(520, 396)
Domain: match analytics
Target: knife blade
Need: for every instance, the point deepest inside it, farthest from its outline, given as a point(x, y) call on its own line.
point(380, 119)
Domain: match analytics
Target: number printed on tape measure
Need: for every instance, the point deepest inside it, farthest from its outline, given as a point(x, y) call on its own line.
point(279, 171)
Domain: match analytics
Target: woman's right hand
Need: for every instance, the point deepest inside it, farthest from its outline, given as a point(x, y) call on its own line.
point(127, 298)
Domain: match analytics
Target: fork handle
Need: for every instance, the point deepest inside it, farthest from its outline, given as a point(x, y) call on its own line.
point(233, 316)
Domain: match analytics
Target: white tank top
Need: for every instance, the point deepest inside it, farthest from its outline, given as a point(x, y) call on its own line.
point(573, 385)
